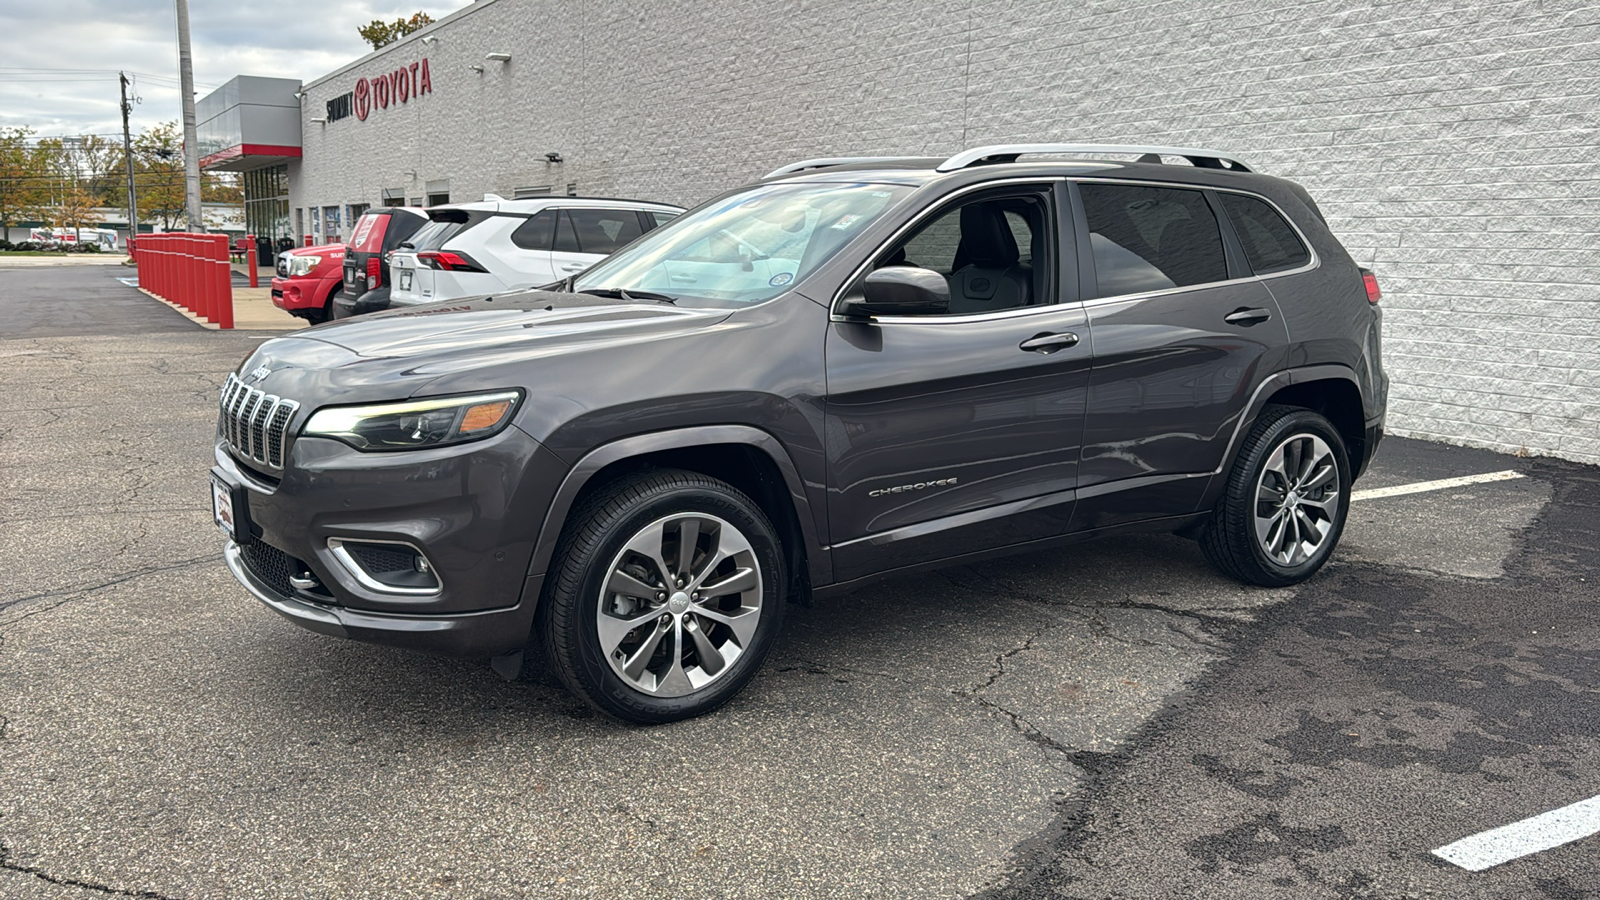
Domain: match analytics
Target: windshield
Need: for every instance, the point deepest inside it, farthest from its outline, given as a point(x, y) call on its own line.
point(744, 248)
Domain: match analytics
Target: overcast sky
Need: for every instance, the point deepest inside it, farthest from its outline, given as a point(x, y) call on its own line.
point(59, 58)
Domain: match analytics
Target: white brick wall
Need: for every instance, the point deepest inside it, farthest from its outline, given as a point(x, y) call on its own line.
point(1452, 143)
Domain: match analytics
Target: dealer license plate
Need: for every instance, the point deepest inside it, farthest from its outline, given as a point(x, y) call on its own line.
point(405, 279)
point(222, 506)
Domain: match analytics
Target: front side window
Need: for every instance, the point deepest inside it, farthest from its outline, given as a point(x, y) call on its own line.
point(1151, 239)
point(743, 248)
point(1270, 244)
point(993, 249)
point(603, 230)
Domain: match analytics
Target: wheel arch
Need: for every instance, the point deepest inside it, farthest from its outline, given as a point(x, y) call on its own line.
point(1332, 390)
point(751, 460)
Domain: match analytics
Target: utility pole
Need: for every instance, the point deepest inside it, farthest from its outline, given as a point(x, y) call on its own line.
point(127, 157)
point(191, 144)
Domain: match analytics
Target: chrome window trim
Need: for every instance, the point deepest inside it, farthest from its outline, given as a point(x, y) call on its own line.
point(860, 270)
point(353, 567)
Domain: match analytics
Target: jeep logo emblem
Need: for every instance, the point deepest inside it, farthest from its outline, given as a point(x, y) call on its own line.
point(258, 373)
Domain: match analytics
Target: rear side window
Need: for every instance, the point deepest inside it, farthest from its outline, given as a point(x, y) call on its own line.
point(660, 218)
point(600, 230)
point(401, 228)
point(1270, 244)
point(537, 233)
point(1151, 239)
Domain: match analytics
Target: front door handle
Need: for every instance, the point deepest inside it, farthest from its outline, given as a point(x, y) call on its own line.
point(1247, 317)
point(1049, 343)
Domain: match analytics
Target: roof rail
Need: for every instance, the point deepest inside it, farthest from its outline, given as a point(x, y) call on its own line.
point(828, 161)
point(1205, 159)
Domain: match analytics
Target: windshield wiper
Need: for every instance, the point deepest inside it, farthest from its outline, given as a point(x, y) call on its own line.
point(630, 296)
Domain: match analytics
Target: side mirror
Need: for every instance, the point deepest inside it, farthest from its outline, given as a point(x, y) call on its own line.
point(901, 291)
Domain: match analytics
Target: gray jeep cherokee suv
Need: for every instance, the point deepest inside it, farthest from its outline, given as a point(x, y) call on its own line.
point(853, 368)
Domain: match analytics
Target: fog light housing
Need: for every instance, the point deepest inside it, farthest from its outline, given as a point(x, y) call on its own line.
point(389, 567)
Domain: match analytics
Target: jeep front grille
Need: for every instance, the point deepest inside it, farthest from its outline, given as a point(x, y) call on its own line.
point(254, 423)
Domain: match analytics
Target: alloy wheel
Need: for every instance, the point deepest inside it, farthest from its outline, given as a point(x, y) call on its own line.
point(1297, 499)
point(681, 603)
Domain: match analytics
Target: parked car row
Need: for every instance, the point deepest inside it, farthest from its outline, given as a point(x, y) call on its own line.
point(405, 256)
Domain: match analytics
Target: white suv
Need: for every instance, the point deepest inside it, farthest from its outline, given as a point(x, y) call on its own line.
point(501, 245)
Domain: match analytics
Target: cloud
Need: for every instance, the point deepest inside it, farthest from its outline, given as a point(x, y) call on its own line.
point(59, 60)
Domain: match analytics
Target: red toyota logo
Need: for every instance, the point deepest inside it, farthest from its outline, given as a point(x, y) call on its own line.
point(363, 99)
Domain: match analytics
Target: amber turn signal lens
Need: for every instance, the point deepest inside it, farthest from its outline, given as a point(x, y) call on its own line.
point(484, 415)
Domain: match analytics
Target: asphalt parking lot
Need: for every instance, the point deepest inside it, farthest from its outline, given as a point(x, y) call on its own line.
point(1114, 720)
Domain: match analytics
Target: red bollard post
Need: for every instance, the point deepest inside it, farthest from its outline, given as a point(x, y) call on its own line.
point(250, 258)
point(224, 304)
point(188, 291)
point(206, 272)
point(158, 265)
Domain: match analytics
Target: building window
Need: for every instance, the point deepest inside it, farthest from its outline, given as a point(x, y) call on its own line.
point(330, 224)
point(266, 201)
point(394, 197)
point(438, 199)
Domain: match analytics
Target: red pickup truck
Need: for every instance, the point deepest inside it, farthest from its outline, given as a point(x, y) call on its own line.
point(307, 280)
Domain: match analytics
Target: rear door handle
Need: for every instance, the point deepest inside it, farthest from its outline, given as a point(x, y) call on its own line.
point(1049, 343)
point(1247, 317)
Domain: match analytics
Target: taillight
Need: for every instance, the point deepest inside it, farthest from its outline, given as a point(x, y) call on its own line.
point(1371, 281)
point(450, 262)
point(374, 272)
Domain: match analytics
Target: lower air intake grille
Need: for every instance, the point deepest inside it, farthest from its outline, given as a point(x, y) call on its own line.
point(271, 565)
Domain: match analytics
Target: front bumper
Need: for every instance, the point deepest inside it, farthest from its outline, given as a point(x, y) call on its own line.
point(473, 510)
point(488, 633)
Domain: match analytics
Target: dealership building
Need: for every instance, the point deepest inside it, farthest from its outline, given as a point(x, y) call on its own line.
point(1451, 145)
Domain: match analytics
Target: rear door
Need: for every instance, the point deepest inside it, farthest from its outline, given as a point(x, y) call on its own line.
point(584, 236)
point(952, 434)
point(1183, 334)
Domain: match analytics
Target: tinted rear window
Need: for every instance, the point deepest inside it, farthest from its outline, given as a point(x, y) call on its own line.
point(433, 235)
point(1149, 239)
point(1270, 244)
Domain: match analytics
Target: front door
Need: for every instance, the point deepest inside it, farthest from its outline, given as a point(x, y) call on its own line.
point(957, 433)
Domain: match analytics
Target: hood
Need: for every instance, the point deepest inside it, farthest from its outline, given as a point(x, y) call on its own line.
point(318, 250)
point(424, 342)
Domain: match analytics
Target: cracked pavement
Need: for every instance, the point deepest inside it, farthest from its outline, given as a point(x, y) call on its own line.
point(164, 735)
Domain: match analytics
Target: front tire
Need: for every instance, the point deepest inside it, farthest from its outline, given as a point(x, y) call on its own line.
point(1286, 500)
point(318, 315)
point(666, 596)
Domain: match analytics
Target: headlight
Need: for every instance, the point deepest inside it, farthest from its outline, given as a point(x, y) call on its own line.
point(411, 424)
point(302, 265)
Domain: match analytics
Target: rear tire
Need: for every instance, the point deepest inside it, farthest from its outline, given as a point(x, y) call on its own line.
point(1286, 501)
point(665, 597)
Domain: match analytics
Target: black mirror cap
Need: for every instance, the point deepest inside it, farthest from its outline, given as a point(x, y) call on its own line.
point(900, 291)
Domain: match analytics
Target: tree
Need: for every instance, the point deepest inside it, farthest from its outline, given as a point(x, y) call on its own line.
point(378, 32)
point(23, 176)
point(158, 174)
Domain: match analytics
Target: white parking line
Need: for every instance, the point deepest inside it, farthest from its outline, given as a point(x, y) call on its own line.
point(1442, 484)
point(1546, 830)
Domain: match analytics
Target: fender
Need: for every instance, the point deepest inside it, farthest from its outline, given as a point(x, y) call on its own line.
point(818, 560)
point(1258, 401)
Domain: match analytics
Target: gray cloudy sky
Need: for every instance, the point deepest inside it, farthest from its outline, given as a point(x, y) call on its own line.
point(59, 58)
